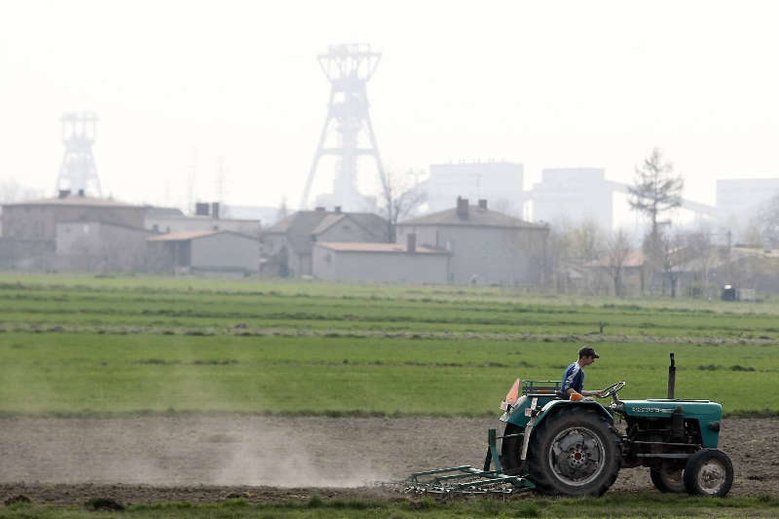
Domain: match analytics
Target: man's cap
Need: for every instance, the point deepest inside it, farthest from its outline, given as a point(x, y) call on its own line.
point(587, 351)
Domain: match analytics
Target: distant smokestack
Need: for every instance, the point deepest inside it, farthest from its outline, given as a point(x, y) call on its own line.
point(462, 208)
point(482, 203)
point(411, 242)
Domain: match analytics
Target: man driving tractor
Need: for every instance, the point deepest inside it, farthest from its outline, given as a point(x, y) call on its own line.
point(573, 379)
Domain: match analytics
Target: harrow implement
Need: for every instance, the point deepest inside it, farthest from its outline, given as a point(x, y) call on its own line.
point(467, 479)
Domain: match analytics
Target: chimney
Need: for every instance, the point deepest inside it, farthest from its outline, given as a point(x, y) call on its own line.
point(411, 242)
point(482, 203)
point(337, 209)
point(462, 208)
point(64, 193)
point(215, 210)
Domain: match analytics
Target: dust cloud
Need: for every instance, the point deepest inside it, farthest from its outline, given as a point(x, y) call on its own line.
point(185, 450)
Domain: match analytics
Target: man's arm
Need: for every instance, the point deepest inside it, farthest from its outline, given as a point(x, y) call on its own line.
point(598, 393)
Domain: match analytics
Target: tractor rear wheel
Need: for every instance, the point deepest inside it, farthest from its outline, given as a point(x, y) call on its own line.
point(511, 450)
point(574, 453)
point(667, 478)
point(709, 472)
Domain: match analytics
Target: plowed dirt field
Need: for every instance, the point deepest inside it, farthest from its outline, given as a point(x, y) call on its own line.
point(210, 458)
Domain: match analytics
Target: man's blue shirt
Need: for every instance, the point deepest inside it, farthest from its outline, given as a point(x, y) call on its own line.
point(573, 379)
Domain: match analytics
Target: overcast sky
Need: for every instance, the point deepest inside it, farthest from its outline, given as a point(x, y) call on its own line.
point(547, 84)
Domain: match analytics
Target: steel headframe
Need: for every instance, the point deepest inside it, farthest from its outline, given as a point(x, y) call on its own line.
point(348, 68)
point(78, 173)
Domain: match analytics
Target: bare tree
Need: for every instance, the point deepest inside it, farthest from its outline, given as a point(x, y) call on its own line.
point(618, 251)
point(702, 251)
point(655, 190)
point(401, 196)
point(673, 254)
point(587, 240)
point(571, 246)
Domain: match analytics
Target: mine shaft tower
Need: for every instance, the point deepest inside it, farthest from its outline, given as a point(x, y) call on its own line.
point(78, 173)
point(348, 67)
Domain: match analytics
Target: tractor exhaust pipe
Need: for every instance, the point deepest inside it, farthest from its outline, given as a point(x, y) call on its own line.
point(671, 378)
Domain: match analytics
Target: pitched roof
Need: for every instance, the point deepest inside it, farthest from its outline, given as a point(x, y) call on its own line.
point(299, 227)
point(327, 222)
point(372, 223)
point(76, 201)
point(377, 247)
point(182, 235)
point(477, 217)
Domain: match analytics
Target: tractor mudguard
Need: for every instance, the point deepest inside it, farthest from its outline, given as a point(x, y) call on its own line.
point(520, 415)
point(558, 406)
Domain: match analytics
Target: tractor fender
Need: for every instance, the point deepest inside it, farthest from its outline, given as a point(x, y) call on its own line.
point(558, 406)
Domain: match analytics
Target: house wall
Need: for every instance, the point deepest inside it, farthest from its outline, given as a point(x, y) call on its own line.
point(275, 253)
point(28, 255)
point(39, 221)
point(168, 257)
point(281, 260)
point(225, 252)
point(88, 246)
point(486, 255)
point(379, 267)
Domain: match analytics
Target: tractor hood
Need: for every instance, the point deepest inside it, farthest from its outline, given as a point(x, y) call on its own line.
point(704, 410)
point(708, 414)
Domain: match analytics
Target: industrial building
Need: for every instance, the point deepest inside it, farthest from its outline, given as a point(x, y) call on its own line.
point(739, 200)
point(573, 195)
point(501, 183)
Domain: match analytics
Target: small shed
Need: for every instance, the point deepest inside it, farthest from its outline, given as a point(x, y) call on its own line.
point(380, 262)
point(203, 252)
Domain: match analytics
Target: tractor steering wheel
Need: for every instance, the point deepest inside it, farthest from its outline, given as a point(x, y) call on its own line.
point(612, 390)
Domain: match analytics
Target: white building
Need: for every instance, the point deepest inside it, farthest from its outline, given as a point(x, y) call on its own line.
point(739, 200)
point(573, 195)
point(501, 183)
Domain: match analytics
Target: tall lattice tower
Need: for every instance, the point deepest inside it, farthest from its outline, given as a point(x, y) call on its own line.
point(78, 173)
point(347, 133)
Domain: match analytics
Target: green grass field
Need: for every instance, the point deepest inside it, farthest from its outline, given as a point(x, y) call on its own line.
point(624, 506)
point(73, 345)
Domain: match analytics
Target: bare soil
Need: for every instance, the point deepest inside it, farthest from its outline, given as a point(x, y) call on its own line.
point(210, 458)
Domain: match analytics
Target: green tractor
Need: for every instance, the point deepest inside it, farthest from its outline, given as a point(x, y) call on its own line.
point(576, 448)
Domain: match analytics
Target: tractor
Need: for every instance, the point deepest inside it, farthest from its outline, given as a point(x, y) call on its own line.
point(574, 448)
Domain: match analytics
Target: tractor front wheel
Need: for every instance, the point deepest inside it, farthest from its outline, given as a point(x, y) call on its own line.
point(574, 453)
point(667, 478)
point(709, 472)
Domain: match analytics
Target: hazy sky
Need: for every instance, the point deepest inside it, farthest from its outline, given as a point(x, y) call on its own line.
point(548, 84)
